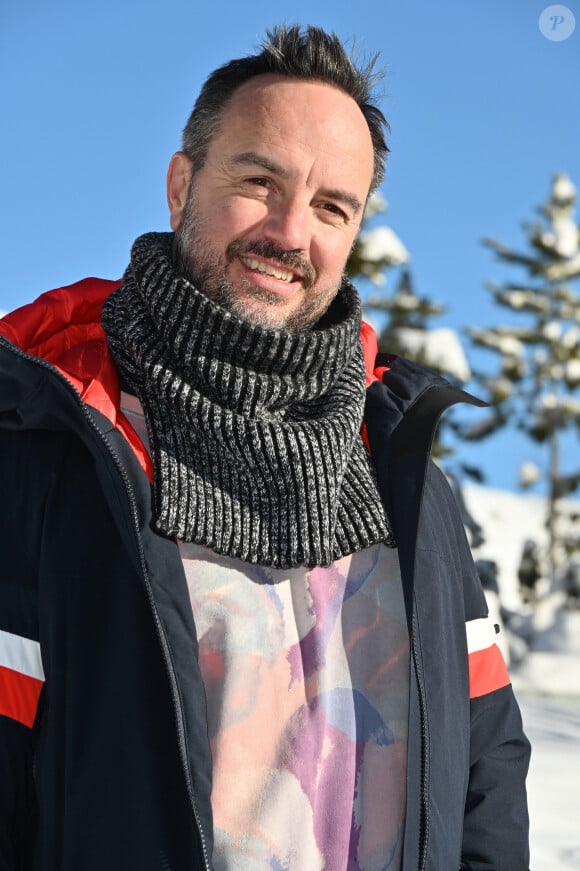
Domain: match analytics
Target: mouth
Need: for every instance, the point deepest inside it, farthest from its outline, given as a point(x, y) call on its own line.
point(270, 269)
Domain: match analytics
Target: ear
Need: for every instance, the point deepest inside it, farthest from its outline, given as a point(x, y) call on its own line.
point(178, 178)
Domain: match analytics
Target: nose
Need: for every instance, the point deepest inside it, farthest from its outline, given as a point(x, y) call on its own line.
point(288, 225)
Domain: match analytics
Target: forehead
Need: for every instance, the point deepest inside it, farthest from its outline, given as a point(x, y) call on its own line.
point(309, 122)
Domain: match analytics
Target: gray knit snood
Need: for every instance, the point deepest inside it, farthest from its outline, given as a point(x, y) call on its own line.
point(255, 433)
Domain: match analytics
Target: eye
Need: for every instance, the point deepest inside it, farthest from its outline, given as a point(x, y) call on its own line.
point(260, 181)
point(333, 209)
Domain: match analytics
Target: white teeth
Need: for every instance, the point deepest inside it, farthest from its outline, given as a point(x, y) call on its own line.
point(266, 269)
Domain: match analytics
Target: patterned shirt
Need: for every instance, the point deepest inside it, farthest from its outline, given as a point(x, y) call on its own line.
point(306, 674)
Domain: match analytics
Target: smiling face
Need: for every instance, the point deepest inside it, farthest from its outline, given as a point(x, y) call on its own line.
point(267, 224)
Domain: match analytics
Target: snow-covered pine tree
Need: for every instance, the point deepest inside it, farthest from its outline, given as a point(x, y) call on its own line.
point(402, 317)
point(535, 385)
point(404, 327)
point(377, 248)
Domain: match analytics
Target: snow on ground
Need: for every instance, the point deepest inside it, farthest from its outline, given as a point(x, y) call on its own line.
point(551, 668)
point(508, 520)
point(553, 727)
point(546, 678)
point(547, 683)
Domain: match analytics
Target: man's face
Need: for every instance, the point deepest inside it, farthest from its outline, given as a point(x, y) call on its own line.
point(266, 227)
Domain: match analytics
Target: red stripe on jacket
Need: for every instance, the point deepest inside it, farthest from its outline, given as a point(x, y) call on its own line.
point(487, 671)
point(19, 695)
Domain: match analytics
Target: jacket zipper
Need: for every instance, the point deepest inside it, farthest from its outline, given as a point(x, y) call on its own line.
point(424, 825)
point(179, 718)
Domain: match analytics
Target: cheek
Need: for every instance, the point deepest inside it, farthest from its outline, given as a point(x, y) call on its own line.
point(330, 254)
point(239, 217)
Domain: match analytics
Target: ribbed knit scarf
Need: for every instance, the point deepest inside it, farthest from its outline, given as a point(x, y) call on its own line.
point(255, 433)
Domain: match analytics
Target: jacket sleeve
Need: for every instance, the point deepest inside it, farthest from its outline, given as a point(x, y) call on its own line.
point(21, 672)
point(495, 832)
point(16, 796)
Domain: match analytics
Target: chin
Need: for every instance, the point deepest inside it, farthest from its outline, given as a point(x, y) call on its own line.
point(272, 315)
point(269, 319)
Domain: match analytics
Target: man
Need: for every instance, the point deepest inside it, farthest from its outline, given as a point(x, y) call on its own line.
point(241, 627)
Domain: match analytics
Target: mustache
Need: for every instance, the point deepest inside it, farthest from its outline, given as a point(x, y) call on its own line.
point(270, 251)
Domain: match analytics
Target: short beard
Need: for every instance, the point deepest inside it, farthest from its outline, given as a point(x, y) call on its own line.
point(207, 272)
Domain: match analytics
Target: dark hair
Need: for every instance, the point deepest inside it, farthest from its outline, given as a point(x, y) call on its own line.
point(288, 51)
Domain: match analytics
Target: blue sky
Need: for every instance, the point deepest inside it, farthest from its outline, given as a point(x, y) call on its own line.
point(483, 110)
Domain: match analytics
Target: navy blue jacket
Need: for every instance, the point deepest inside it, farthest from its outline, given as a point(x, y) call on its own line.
point(104, 757)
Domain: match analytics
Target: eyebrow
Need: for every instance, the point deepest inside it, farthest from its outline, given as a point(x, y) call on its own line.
point(252, 158)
